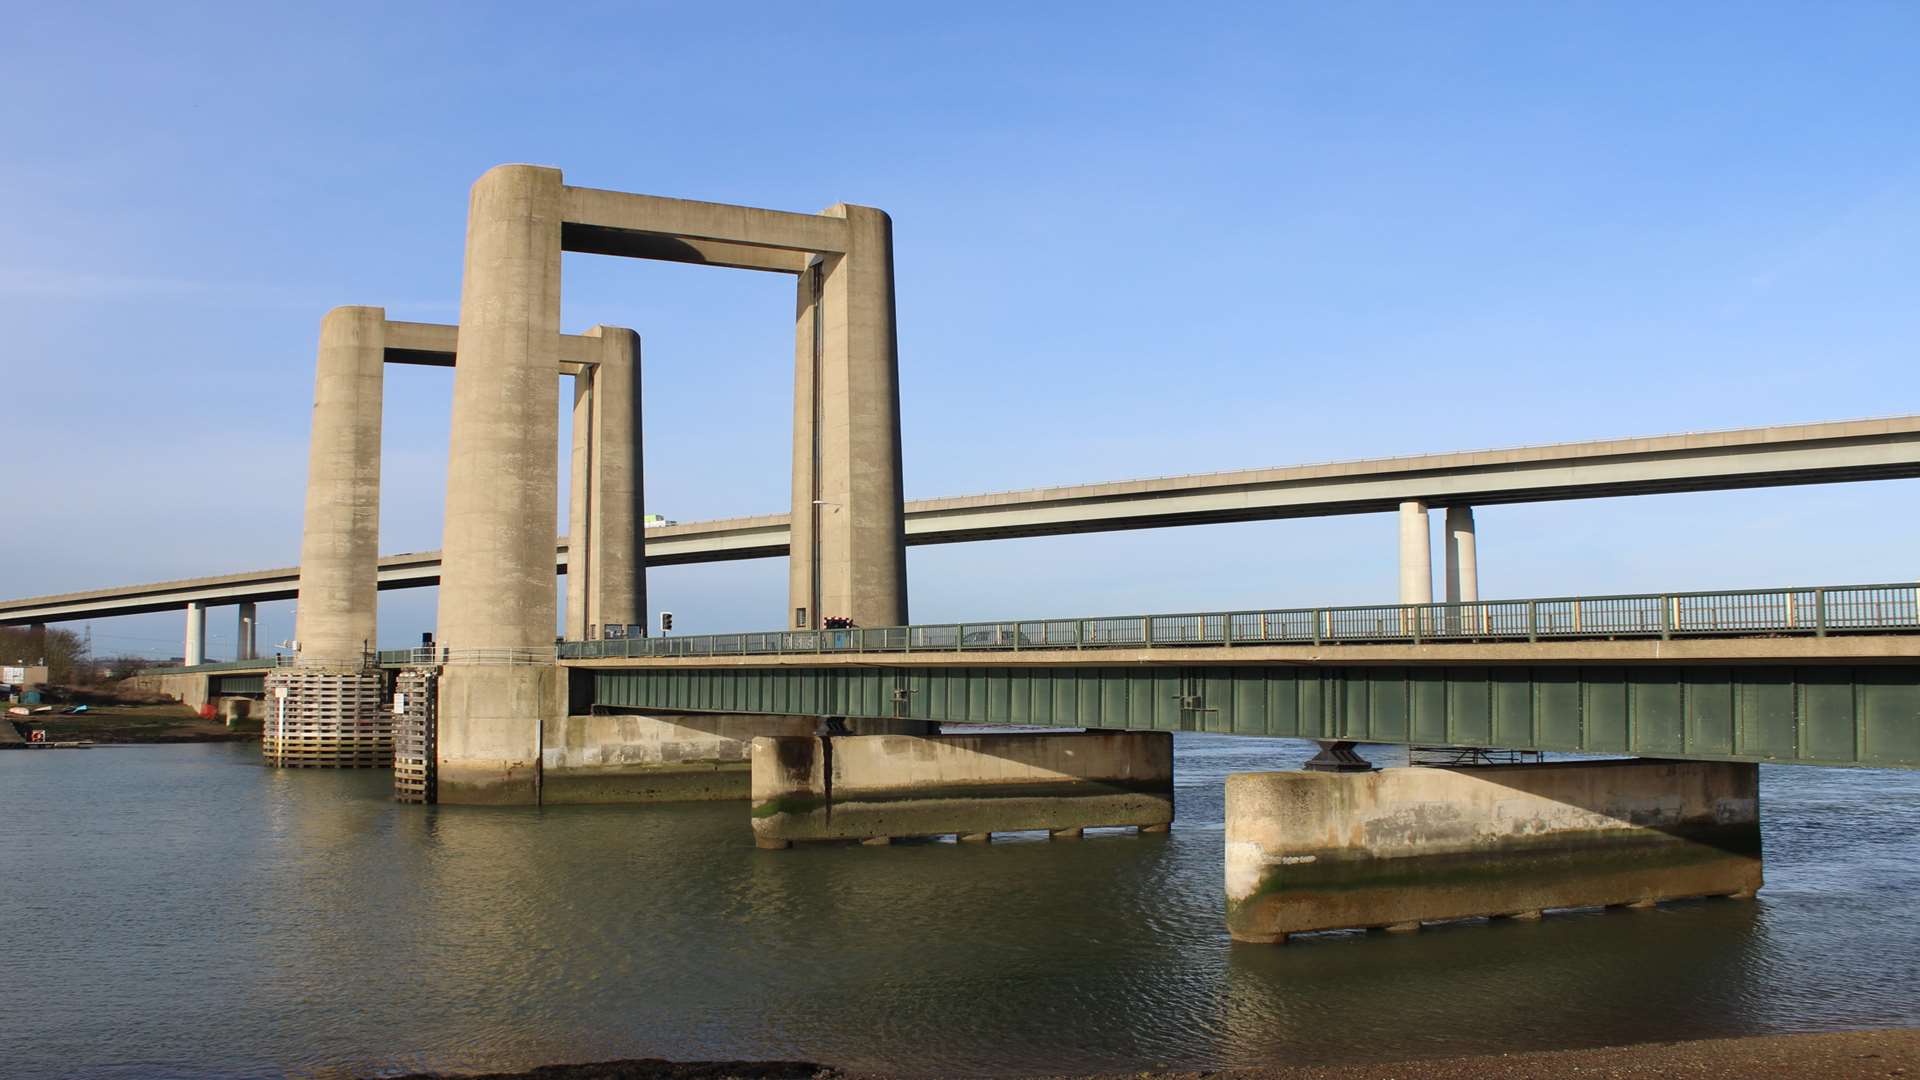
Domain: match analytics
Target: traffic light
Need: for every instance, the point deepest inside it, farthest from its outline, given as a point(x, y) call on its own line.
point(666, 621)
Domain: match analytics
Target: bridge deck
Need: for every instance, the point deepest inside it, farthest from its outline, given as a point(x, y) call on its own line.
point(1833, 452)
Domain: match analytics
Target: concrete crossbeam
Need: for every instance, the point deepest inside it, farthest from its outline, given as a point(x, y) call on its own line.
point(691, 221)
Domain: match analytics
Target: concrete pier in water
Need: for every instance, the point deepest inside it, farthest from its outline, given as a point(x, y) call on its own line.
point(668, 757)
point(1395, 848)
point(883, 787)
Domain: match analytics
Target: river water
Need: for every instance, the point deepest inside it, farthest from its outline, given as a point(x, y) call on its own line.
point(183, 911)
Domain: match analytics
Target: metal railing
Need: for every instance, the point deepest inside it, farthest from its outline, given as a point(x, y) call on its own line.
point(1812, 611)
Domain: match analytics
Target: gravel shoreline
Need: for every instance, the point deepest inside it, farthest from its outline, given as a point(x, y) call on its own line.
point(1845, 1055)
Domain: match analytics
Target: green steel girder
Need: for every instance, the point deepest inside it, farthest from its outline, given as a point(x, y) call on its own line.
point(1804, 714)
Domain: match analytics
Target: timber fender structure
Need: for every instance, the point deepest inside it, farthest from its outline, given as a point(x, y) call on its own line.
point(326, 719)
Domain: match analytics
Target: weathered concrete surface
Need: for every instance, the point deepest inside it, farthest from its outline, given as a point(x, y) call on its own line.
point(192, 689)
point(490, 722)
point(340, 540)
point(1325, 851)
point(496, 590)
point(1416, 554)
point(617, 561)
point(848, 550)
point(196, 649)
point(871, 786)
point(496, 587)
point(661, 757)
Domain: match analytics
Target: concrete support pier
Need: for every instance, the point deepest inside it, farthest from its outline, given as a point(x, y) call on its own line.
point(872, 787)
point(1416, 555)
point(500, 684)
point(246, 630)
point(665, 757)
point(1463, 565)
point(196, 650)
point(1329, 851)
point(848, 555)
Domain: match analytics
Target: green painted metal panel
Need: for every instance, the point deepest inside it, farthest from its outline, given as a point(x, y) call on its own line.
point(1283, 702)
point(1769, 713)
point(1166, 700)
point(1313, 705)
point(979, 698)
point(1556, 708)
point(1658, 719)
point(1826, 714)
point(1889, 717)
point(1469, 707)
point(239, 684)
point(1710, 709)
point(1216, 691)
point(1820, 714)
point(1604, 706)
point(1088, 699)
point(1353, 705)
point(1427, 700)
point(1064, 709)
point(1511, 692)
point(1140, 699)
point(1388, 718)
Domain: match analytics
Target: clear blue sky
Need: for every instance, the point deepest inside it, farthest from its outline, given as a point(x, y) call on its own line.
point(1132, 240)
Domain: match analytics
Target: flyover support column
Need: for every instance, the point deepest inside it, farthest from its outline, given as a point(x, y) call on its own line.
point(1463, 566)
point(244, 633)
point(500, 685)
point(848, 555)
point(1416, 555)
point(196, 652)
point(618, 553)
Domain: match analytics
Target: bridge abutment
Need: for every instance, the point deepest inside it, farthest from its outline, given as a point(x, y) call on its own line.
point(874, 787)
point(1395, 848)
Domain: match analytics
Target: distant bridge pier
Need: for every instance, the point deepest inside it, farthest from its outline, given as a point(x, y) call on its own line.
point(1463, 564)
point(246, 632)
point(196, 651)
point(1416, 554)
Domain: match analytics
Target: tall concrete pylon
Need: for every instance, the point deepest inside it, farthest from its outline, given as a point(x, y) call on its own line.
point(499, 683)
point(606, 538)
point(340, 540)
point(339, 572)
point(847, 555)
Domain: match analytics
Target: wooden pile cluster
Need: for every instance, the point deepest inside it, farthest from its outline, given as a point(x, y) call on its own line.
point(415, 744)
point(326, 720)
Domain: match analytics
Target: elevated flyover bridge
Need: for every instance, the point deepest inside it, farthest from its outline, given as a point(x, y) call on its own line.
point(1815, 675)
point(1821, 453)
